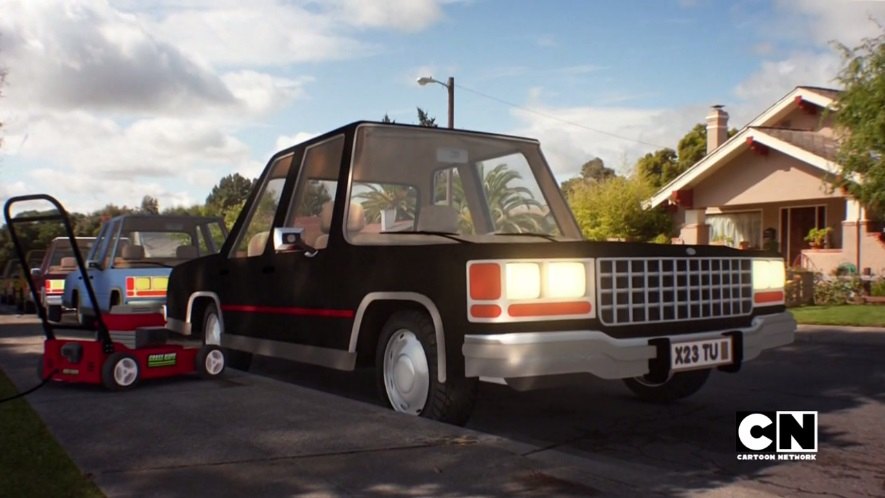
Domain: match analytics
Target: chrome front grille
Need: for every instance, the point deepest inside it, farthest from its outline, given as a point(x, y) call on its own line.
point(633, 291)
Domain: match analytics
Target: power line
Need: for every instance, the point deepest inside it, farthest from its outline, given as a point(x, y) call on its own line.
point(555, 118)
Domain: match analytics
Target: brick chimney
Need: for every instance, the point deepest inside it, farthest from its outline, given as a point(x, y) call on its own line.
point(717, 127)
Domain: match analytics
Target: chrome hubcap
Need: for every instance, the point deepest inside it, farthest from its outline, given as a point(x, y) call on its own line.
point(406, 373)
point(212, 330)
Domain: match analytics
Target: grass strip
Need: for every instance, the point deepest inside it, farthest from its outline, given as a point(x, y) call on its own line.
point(32, 462)
point(852, 315)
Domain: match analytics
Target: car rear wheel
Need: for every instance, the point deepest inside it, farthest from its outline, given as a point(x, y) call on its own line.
point(120, 371)
point(406, 362)
point(678, 386)
point(212, 331)
point(53, 313)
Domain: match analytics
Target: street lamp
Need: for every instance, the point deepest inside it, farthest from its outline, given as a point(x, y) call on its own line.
point(450, 86)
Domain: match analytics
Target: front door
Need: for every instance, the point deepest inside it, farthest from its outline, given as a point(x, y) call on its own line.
point(795, 224)
point(276, 302)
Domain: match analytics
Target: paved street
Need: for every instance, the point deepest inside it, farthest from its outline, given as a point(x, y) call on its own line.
point(838, 372)
point(587, 438)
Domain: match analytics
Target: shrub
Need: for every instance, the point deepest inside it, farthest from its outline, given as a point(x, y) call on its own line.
point(877, 288)
point(840, 290)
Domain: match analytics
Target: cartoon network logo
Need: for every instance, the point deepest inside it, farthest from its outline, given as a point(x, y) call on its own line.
point(785, 435)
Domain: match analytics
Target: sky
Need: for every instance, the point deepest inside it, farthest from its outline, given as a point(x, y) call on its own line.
point(106, 101)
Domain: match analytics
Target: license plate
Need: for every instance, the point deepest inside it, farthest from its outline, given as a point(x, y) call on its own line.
point(698, 354)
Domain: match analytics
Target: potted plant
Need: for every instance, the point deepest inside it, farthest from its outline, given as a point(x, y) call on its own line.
point(817, 237)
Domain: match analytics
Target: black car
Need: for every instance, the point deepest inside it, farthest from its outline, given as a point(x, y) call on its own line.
point(444, 257)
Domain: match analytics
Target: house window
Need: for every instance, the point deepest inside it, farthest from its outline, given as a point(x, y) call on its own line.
point(736, 229)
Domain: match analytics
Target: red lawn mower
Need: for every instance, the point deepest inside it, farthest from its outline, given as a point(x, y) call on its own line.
point(127, 346)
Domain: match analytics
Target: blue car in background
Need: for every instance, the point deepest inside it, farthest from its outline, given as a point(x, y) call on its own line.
point(130, 261)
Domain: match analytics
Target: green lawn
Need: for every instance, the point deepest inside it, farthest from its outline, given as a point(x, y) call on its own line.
point(860, 315)
point(32, 463)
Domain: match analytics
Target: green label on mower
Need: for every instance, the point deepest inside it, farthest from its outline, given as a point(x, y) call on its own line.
point(161, 360)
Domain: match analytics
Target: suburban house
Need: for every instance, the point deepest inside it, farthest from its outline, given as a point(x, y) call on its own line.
point(765, 187)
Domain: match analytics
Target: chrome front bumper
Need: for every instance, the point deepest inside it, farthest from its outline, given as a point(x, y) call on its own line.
point(535, 354)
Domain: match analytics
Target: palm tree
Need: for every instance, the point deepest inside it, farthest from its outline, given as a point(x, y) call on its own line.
point(513, 208)
point(388, 196)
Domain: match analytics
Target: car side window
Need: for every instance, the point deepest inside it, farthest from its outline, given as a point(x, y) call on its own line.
point(314, 194)
point(252, 240)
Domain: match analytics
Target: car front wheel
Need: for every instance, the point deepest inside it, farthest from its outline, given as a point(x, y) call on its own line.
point(406, 361)
point(678, 386)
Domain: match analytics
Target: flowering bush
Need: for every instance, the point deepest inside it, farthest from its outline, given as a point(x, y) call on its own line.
point(841, 290)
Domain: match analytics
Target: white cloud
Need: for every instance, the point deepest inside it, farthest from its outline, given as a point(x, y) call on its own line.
point(261, 93)
point(619, 135)
point(92, 161)
point(823, 21)
point(253, 34)
point(87, 55)
point(402, 15)
point(774, 79)
point(286, 141)
point(811, 25)
point(265, 33)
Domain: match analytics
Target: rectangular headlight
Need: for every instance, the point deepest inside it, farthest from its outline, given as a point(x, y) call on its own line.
point(768, 274)
point(522, 280)
point(566, 280)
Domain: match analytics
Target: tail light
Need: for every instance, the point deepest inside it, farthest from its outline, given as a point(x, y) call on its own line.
point(146, 286)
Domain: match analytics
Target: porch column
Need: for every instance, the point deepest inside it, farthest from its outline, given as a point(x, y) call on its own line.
point(695, 230)
point(853, 227)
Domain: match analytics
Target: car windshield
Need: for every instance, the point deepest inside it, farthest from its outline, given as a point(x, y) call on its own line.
point(63, 250)
point(475, 187)
point(159, 241)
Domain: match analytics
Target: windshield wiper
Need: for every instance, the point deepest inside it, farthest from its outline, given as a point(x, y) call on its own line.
point(549, 237)
point(448, 235)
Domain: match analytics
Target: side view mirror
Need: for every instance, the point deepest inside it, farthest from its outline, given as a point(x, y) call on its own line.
point(287, 239)
point(36, 273)
point(93, 264)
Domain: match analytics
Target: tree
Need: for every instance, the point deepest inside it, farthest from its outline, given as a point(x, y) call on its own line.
point(380, 197)
point(612, 209)
point(664, 165)
point(593, 170)
point(658, 167)
point(150, 205)
point(228, 197)
point(861, 123)
point(424, 119)
point(692, 148)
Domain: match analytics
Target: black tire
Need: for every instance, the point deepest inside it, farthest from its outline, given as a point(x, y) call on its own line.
point(406, 372)
point(120, 371)
point(678, 386)
point(53, 313)
point(40, 367)
point(83, 319)
point(240, 360)
point(210, 362)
